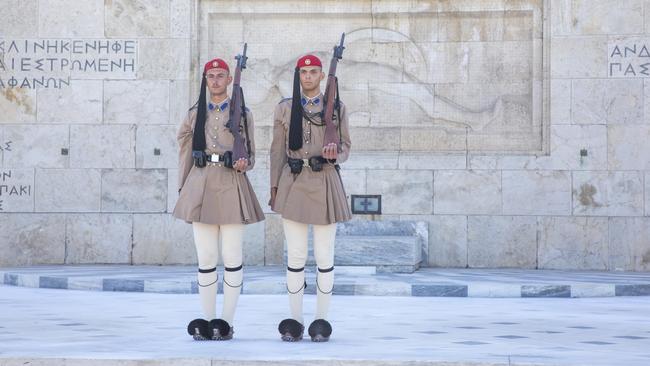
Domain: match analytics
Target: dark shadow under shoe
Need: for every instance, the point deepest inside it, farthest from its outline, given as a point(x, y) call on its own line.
point(221, 330)
point(291, 330)
point(199, 329)
point(320, 330)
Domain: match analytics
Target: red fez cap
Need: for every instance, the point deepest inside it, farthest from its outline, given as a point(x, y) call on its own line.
point(216, 63)
point(308, 60)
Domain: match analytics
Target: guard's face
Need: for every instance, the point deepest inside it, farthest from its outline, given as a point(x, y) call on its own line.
point(218, 81)
point(310, 77)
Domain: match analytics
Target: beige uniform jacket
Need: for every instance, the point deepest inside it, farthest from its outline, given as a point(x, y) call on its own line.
point(309, 197)
point(215, 194)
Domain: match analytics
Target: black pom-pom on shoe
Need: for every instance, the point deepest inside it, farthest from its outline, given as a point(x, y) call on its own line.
point(320, 330)
point(221, 330)
point(291, 330)
point(199, 329)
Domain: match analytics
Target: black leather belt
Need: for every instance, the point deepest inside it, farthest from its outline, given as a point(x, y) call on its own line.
point(315, 163)
point(215, 158)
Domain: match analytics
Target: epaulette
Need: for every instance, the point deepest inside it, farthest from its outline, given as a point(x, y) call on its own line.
point(284, 100)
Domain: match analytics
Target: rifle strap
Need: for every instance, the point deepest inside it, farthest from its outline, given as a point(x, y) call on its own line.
point(337, 105)
point(243, 108)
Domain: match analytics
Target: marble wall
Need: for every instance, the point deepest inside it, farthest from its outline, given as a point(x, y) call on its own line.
point(516, 129)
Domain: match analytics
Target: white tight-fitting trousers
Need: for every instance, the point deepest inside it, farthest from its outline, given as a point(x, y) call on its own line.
point(324, 236)
point(206, 239)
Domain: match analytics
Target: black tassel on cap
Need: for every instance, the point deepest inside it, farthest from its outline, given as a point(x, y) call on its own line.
point(198, 139)
point(295, 127)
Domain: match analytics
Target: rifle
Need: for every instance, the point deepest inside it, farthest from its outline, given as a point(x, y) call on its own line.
point(331, 98)
point(237, 110)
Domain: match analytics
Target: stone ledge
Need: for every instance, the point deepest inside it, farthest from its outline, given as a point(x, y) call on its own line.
point(351, 281)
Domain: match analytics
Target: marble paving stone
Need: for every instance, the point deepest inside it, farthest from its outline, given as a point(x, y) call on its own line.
point(627, 148)
point(172, 189)
point(647, 17)
point(19, 105)
point(402, 193)
point(144, 18)
point(112, 146)
point(432, 139)
point(23, 281)
point(592, 290)
point(171, 287)
point(383, 289)
point(179, 18)
point(375, 139)
point(164, 59)
point(545, 291)
point(372, 160)
point(18, 20)
point(646, 95)
point(156, 147)
point(447, 241)
point(488, 290)
point(354, 181)
point(53, 282)
point(629, 243)
point(536, 192)
point(88, 284)
point(647, 193)
point(70, 18)
point(376, 250)
point(67, 190)
point(253, 246)
point(608, 193)
point(118, 194)
point(427, 161)
point(136, 101)
point(28, 239)
point(274, 240)
point(98, 238)
point(162, 239)
point(501, 61)
point(457, 192)
point(588, 63)
point(567, 143)
point(573, 243)
point(632, 290)
point(16, 190)
point(439, 290)
point(79, 103)
point(502, 241)
point(585, 17)
point(36, 146)
point(607, 101)
point(123, 285)
point(180, 103)
point(560, 101)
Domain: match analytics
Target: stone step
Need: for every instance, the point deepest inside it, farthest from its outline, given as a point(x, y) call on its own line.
point(389, 246)
point(349, 280)
point(399, 254)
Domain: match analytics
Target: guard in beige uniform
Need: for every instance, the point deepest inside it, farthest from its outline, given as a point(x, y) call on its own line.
point(306, 189)
point(216, 197)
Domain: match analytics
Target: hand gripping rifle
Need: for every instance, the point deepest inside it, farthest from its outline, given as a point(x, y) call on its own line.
point(331, 98)
point(237, 111)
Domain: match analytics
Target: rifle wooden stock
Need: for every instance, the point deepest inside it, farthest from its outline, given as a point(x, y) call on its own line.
point(331, 132)
point(237, 110)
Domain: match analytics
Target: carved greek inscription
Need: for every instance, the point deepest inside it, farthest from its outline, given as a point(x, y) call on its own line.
point(50, 63)
point(629, 58)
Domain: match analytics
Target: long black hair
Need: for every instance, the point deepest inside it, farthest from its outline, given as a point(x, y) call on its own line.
point(295, 127)
point(198, 139)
